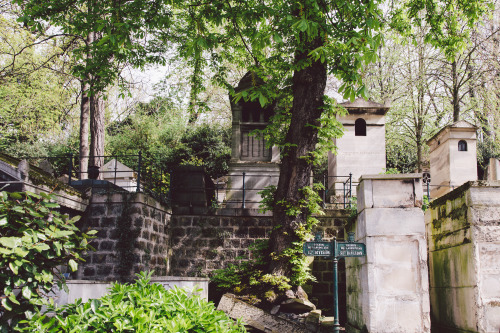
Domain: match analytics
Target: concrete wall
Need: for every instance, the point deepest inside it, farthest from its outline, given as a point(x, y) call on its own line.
point(132, 236)
point(463, 230)
point(387, 291)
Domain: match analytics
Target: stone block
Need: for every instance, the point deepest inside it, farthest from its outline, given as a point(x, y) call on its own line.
point(491, 319)
point(258, 318)
point(488, 196)
point(394, 315)
point(98, 210)
point(484, 216)
point(490, 286)
point(452, 267)
point(365, 195)
point(457, 315)
point(390, 222)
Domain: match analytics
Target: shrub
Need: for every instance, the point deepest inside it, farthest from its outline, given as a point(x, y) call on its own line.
point(35, 241)
point(138, 307)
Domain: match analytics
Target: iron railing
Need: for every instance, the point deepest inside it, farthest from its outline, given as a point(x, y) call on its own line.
point(140, 173)
point(247, 183)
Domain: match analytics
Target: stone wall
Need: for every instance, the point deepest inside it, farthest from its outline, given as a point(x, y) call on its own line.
point(463, 231)
point(202, 243)
point(132, 236)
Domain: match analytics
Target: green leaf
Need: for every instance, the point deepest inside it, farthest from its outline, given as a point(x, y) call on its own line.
point(6, 304)
point(11, 242)
point(72, 265)
point(41, 247)
point(15, 195)
point(3, 221)
point(262, 100)
point(26, 291)
point(14, 268)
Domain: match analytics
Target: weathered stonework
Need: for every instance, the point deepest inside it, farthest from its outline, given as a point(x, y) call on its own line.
point(463, 231)
point(387, 290)
point(132, 236)
point(201, 244)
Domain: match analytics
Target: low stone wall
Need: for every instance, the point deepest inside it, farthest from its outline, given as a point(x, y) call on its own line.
point(91, 289)
point(463, 231)
point(132, 236)
point(202, 243)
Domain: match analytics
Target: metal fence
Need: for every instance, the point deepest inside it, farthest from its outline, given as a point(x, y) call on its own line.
point(123, 173)
point(245, 185)
point(138, 173)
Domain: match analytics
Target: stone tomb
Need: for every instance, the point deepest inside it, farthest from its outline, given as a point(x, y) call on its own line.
point(452, 157)
point(361, 150)
point(253, 164)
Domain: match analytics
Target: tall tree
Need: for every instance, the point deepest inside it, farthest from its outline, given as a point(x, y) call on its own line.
point(111, 33)
point(296, 44)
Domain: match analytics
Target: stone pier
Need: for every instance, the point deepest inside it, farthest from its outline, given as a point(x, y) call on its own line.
point(388, 290)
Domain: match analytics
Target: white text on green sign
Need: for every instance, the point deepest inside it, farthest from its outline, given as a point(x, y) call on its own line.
point(350, 249)
point(318, 249)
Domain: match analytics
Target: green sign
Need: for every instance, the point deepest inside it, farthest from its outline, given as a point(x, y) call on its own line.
point(348, 249)
point(318, 249)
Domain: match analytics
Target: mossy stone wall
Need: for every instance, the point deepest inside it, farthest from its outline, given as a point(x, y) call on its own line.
point(463, 233)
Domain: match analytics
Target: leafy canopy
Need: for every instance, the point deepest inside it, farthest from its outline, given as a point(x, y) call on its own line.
point(125, 32)
point(264, 36)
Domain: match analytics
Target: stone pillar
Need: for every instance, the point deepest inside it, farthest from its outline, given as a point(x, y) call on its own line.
point(388, 290)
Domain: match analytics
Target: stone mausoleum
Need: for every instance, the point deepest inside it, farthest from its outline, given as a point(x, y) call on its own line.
point(361, 150)
point(253, 164)
point(453, 157)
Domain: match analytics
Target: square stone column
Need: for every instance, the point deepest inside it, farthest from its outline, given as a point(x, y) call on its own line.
point(388, 290)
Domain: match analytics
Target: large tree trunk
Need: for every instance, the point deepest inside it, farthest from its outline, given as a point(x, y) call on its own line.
point(84, 130)
point(308, 89)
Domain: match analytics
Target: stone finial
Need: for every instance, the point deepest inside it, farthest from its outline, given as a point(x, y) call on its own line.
point(46, 166)
point(24, 169)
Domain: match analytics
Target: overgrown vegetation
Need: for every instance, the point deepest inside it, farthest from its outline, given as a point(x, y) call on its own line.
point(142, 307)
point(250, 277)
point(36, 242)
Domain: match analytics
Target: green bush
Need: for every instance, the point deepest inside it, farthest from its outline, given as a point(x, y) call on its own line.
point(36, 240)
point(138, 307)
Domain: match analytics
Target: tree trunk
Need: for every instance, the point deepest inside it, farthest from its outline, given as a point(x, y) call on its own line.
point(308, 89)
point(97, 120)
point(84, 130)
point(455, 102)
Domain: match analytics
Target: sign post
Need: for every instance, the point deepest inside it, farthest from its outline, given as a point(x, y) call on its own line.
point(336, 250)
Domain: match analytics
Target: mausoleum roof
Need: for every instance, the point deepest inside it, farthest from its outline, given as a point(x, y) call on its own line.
point(458, 125)
point(361, 105)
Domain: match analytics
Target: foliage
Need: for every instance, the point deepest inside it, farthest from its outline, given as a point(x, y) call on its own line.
point(250, 277)
point(486, 149)
point(162, 134)
point(139, 307)
point(36, 240)
point(35, 90)
point(120, 33)
point(400, 157)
